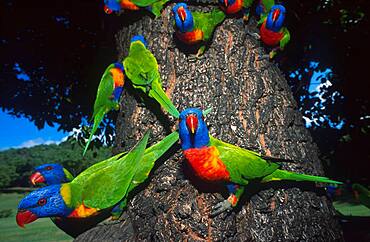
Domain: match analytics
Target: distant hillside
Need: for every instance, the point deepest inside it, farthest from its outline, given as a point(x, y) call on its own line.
point(16, 164)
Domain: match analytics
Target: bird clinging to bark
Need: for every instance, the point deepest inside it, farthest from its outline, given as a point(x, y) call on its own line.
point(216, 161)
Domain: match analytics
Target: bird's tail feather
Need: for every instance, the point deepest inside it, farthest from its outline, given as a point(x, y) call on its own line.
point(287, 175)
point(158, 94)
point(97, 120)
point(218, 16)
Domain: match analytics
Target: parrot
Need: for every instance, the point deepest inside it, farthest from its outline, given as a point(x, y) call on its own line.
point(216, 161)
point(263, 7)
point(362, 194)
point(50, 174)
point(100, 187)
point(141, 68)
point(272, 31)
point(235, 6)
point(109, 91)
point(196, 27)
point(154, 6)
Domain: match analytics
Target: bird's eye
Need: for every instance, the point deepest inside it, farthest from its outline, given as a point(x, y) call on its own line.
point(48, 168)
point(41, 202)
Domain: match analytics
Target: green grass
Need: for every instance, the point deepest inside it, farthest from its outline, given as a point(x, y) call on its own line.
point(40, 230)
point(351, 209)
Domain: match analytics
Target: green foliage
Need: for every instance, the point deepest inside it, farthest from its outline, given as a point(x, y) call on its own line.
point(16, 165)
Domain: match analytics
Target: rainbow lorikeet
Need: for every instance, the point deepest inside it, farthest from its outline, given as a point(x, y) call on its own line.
point(107, 97)
point(272, 31)
point(235, 6)
point(142, 69)
point(362, 194)
point(216, 161)
point(100, 187)
point(154, 6)
point(196, 27)
point(263, 7)
point(50, 174)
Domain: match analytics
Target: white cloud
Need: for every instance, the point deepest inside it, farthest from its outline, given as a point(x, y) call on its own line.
point(38, 141)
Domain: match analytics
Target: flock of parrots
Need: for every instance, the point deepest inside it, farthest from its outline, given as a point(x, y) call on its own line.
point(196, 27)
point(106, 184)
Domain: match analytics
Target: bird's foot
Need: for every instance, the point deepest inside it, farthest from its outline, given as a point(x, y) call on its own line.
point(253, 34)
point(194, 58)
point(245, 19)
point(171, 46)
point(117, 107)
point(263, 57)
point(221, 207)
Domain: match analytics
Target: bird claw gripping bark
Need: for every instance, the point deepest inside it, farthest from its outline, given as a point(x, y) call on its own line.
point(194, 58)
point(253, 34)
point(221, 207)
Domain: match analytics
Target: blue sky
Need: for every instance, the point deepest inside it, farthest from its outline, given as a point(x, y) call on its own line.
point(20, 132)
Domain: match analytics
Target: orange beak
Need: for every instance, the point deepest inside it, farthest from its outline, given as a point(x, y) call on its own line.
point(275, 14)
point(36, 178)
point(192, 123)
point(25, 217)
point(181, 12)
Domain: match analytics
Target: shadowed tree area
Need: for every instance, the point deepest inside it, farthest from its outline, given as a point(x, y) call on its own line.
point(53, 55)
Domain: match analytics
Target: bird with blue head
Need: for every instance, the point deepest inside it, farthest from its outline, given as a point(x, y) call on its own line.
point(108, 95)
point(232, 7)
point(50, 174)
point(213, 160)
point(50, 201)
point(272, 31)
point(101, 188)
point(142, 69)
point(195, 27)
point(115, 6)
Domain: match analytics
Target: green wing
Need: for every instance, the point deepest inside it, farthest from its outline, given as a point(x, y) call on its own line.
point(286, 38)
point(103, 103)
point(156, 6)
point(141, 68)
point(243, 165)
point(267, 4)
point(207, 22)
point(262, 19)
point(68, 175)
point(152, 154)
point(158, 94)
point(107, 186)
point(143, 3)
point(247, 3)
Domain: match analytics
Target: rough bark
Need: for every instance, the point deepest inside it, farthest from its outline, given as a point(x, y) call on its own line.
point(252, 107)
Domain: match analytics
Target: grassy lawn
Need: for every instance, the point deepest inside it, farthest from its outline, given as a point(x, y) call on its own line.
point(40, 230)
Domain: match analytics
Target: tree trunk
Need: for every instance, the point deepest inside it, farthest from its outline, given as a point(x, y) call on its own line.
point(252, 107)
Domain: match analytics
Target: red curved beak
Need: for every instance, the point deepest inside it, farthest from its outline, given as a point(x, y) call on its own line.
point(275, 14)
point(226, 3)
point(25, 217)
point(192, 123)
point(107, 10)
point(37, 178)
point(181, 12)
